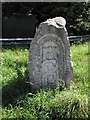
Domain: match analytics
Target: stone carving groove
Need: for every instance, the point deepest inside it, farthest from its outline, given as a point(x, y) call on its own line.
point(50, 56)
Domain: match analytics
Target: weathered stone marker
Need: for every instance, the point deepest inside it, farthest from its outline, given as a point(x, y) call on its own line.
point(50, 60)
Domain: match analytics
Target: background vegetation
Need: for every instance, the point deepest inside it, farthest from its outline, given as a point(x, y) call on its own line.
point(77, 14)
point(20, 103)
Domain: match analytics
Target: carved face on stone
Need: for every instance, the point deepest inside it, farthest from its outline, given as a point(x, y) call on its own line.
point(49, 67)
point(50, 56)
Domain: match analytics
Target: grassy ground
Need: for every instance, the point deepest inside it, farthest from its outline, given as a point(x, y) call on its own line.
point(20, 103)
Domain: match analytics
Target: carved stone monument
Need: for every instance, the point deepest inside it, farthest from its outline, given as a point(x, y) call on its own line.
point(50, 60)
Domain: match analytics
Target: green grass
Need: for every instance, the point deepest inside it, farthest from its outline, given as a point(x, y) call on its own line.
point(20, 103)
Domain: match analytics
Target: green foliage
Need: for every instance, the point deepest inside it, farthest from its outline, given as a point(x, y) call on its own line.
point(20, 103)
point(14, 69)
point(80, 54)
point(77, 14)
point(49, 105)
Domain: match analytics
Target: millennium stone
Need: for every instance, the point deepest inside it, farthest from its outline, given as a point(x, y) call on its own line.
point(50, 60)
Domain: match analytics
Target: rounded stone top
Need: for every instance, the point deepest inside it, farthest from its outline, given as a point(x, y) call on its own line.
point(57, 21)
point(60, 21)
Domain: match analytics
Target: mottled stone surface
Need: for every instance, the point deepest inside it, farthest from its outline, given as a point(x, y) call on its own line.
point(50, 60)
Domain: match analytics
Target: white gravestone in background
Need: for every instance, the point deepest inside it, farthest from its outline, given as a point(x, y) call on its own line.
point(50, 60)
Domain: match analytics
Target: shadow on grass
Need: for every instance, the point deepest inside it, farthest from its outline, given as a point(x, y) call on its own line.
point(15, 89)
